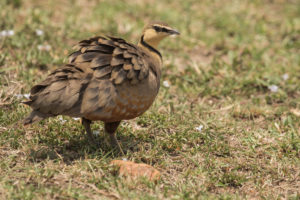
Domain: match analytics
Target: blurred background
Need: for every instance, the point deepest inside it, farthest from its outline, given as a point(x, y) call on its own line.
point(228, 108)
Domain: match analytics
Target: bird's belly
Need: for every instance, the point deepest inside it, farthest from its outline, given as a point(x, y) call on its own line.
point(131, 104)
point(129, 101)
point(133, 100)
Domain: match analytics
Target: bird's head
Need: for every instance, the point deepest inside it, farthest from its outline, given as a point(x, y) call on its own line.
point(154, 32)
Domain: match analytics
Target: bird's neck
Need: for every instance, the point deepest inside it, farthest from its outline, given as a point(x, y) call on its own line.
point(150, 47)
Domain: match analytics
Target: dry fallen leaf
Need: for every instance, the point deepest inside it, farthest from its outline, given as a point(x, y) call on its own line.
point(135, 170)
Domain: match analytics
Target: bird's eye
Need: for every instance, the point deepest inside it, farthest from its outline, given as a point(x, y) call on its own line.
point(157, 29)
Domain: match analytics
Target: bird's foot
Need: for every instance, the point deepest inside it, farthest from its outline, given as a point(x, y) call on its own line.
point(92, 140)
point(115, 144)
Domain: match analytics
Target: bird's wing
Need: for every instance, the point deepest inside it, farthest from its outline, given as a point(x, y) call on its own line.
point(113, 59)
point(60, 91)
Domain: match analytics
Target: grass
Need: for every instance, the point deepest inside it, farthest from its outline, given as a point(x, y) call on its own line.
point(219, 69)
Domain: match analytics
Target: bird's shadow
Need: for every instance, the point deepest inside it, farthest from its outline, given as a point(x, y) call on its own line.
point(79, 147)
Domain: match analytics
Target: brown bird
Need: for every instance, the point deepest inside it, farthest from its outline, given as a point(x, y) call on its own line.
point(107, 79)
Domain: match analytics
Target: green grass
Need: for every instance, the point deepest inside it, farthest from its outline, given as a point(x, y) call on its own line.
point(220, 69)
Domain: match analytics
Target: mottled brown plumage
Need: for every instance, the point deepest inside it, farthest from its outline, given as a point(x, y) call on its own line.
point(107, 79)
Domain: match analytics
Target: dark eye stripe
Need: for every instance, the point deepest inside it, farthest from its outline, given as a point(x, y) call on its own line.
point(157, 28)
point(165, 30)
point(160, 29)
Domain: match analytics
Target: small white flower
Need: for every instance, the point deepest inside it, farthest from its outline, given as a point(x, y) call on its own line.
point(19, 96)
point(273, 88)
point(3, 33)
point(10, 32)
point(166, 84)
point(47, 47)
point(199, 128)
point(7, 33)
point(39, 32)
point(76, 118)
point(62, 121)
point(44, 47)
point(125, 159)
point(27, 95)
point(285, 76)
point(96, 132)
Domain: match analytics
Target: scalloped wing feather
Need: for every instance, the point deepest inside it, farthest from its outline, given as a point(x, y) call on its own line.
point(112, 58)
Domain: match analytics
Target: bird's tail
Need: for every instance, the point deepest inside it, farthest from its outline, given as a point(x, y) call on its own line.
point(35, 116)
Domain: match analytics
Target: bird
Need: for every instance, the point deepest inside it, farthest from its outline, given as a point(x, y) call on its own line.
point(106, 79)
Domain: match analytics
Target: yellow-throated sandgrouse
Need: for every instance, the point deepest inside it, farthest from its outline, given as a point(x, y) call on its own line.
point(107, 79)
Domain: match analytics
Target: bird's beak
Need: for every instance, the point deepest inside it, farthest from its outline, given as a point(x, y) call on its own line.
point(174, 32)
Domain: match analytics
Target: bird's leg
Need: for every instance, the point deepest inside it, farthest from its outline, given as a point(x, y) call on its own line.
point(110, 128)
point(87, 125)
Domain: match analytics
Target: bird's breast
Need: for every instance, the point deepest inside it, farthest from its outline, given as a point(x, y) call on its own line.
point(133, 100)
